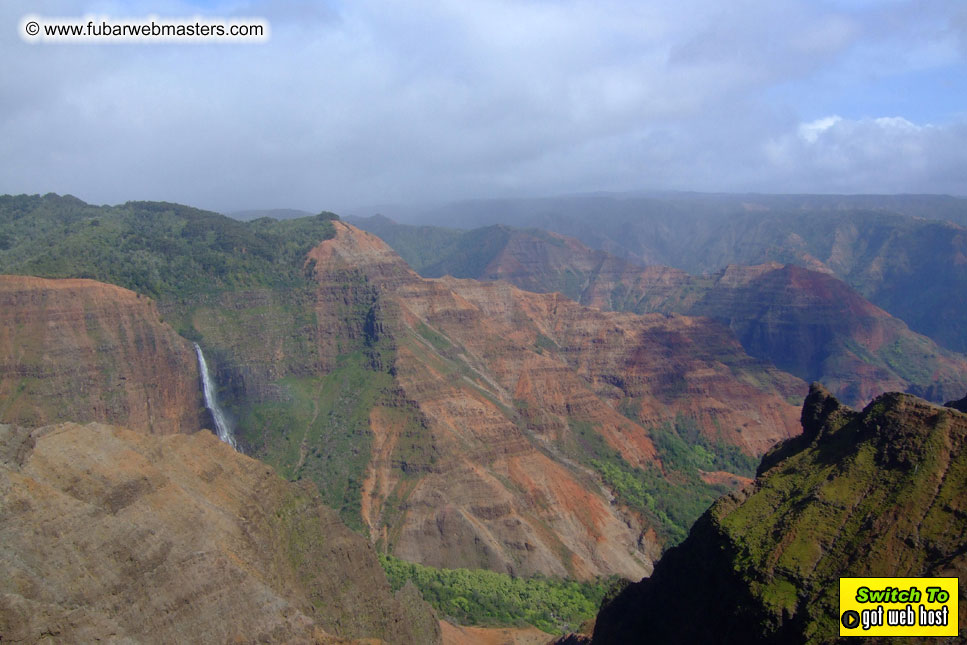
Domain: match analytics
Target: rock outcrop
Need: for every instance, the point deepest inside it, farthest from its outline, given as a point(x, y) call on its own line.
point(80, 350)
point(111, 534)
point(958, 405)
point(481, 470)
point(874, 493)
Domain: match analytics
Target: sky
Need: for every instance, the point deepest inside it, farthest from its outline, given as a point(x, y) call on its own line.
point(363, 102)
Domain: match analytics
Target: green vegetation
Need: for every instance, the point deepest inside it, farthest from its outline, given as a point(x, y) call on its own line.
point(673, 500)
point(419, 246)
point(470, 254)
point(322, 431)
point(543, 343)
point(493, 599)
point(155, 248)
point(682, 446)
point(823, 499)
point(435, 338)
point(913, 358)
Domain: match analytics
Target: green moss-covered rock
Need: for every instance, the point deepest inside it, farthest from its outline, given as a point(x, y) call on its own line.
point(882, 492)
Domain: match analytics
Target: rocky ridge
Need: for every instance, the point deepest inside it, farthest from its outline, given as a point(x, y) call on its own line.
point(874, 493)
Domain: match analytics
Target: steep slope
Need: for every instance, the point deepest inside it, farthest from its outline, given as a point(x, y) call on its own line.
point(454, 481)
point(88, 351)
point(494, 401)
point(805, 322)
point(113, 534)
point(880, 492)
point(655, 367)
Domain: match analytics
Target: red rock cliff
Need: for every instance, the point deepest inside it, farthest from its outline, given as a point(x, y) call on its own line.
point(82, 350)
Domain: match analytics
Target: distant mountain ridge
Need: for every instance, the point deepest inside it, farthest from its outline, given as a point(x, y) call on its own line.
point(806, 322)
point(904, 253)
point(475, 213)
point(273, 213)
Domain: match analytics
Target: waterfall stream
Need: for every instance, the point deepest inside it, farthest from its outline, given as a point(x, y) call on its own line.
point(222, 426)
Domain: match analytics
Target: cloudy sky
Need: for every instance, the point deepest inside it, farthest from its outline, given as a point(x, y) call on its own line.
point(368, 102)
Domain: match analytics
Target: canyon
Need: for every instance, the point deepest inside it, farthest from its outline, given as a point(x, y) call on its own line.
point(551, 411)
point(456, 423)
point(802, 319)
point(497, 380)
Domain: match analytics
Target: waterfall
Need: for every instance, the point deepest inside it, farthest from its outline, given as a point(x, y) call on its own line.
point(222, 427)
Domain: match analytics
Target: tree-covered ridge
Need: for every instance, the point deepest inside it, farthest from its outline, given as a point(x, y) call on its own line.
point(155, 248)
point(487, 598)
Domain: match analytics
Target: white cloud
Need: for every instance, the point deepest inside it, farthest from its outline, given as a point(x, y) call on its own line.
point(883, 154)
point(810, 132)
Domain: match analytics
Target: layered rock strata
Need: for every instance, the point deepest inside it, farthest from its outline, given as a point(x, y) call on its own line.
point(87, 351)
point(803, 320)
point(496, 379)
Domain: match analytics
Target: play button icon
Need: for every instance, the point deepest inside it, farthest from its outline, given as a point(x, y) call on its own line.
point(850, 619)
